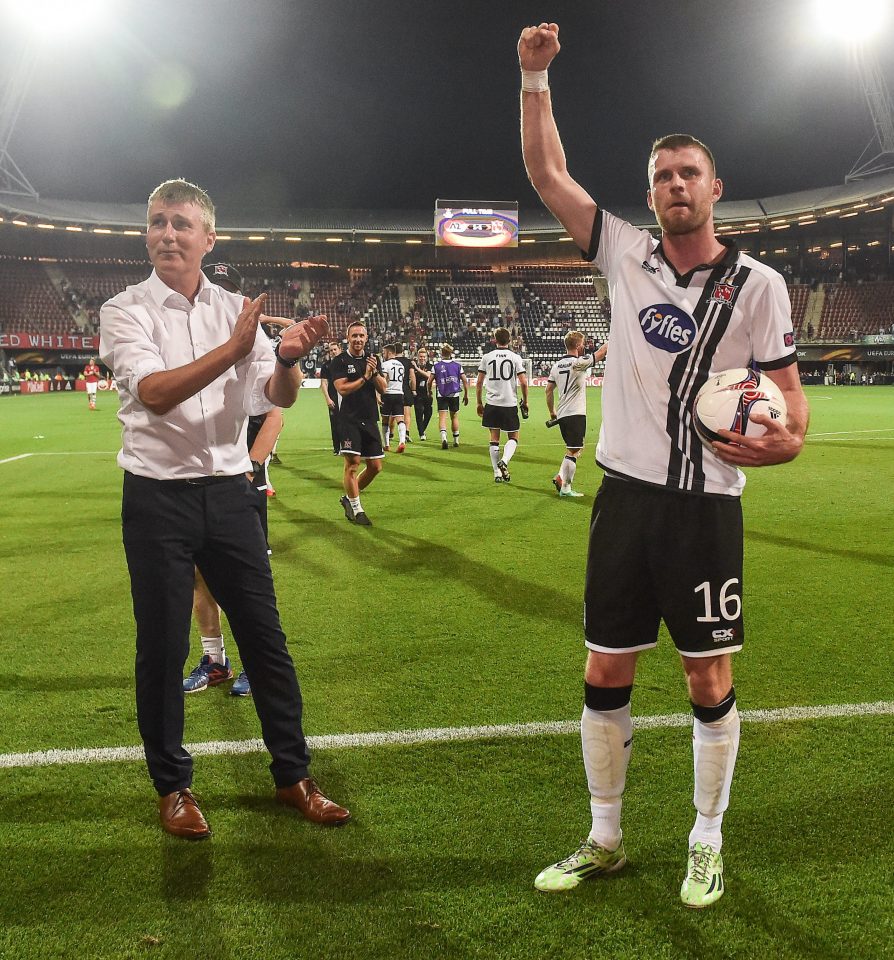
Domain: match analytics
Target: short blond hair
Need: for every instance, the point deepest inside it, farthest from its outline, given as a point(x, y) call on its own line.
point(446, 350)
point(573, 339)
point(182, 191)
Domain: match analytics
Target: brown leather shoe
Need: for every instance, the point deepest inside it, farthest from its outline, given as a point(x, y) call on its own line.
point(307, 797)
point(181, 816)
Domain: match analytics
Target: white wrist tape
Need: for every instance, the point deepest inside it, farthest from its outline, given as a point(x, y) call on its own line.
point(535, 81)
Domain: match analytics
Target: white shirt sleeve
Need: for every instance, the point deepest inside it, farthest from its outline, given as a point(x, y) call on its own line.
point(616, 236)
point(126, 348)
point(259, 367)
point(772, 336)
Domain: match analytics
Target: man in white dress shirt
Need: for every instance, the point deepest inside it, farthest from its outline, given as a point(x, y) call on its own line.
point(192, 365)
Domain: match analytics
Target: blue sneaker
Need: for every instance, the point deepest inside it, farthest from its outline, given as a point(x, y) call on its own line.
point(207, 674)
point(241, 687)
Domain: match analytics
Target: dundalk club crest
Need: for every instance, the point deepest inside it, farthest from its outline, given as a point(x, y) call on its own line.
point(724, 293)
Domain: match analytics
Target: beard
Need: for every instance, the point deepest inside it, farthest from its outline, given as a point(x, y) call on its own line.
point(678, 226)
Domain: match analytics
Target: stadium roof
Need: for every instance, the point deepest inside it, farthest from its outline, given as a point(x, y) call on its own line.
point(824, 201)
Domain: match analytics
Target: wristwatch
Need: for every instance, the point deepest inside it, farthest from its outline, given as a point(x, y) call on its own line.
point(282, 360)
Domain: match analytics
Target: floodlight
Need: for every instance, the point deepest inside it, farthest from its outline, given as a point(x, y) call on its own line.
point(53, 20)
point(854, 21)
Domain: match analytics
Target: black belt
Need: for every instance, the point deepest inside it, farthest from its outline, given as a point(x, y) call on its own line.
point(204, 481)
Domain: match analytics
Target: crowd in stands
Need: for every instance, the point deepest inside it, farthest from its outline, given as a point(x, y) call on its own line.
point(422, 306)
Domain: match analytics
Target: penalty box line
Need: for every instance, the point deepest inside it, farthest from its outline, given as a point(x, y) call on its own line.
point(344, 741)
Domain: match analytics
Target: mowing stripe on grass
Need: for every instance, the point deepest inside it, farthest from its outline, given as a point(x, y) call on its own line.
point(341, 741)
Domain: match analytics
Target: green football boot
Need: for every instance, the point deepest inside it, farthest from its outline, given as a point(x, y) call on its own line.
point(589, 860)
point(704, 877)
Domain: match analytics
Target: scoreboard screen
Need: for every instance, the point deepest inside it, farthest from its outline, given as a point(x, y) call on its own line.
point(464, 223)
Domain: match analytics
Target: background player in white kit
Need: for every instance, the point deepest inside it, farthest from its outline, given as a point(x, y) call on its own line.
point(666, 533)
point(394, 369)
point(569, 377)
point(503, 372)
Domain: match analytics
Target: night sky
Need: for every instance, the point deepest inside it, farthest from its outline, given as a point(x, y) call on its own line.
point(342, 103)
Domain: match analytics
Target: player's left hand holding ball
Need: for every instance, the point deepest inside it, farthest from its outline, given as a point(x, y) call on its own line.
point(300, 338)
point(777, 445)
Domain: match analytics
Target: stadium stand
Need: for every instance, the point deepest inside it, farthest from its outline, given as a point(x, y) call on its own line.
point(430, 306)
point(29, 300)
point(852, 310)
point(799, 294)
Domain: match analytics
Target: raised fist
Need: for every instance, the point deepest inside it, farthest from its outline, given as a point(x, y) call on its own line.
point(537, 46)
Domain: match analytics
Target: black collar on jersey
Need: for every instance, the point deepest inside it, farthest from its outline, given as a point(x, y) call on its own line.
point(684, 279)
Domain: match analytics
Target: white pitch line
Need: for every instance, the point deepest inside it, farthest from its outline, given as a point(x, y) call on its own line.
point(344, 741)
point(846, 439)
point(63, 453)
point(841, 433)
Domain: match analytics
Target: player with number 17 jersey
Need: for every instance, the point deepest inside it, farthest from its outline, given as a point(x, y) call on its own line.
point(570, 378)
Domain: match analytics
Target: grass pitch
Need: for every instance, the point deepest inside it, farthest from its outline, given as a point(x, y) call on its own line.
point(471, 598)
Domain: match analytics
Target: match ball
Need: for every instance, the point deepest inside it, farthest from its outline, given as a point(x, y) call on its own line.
point(728, 399)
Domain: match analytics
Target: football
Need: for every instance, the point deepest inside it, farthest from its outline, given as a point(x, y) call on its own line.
point(727, 400)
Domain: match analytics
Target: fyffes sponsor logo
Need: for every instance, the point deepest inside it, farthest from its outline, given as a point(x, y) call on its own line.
point(667, 327)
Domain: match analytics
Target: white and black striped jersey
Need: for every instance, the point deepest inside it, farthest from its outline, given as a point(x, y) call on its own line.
point(570, 378)
point(669, 331)
point(395, 372)
point(501, 368)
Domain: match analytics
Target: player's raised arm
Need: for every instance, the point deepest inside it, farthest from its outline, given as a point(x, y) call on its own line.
point(542, 149)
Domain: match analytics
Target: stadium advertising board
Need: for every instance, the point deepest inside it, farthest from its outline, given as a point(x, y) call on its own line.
point(470, 223)
point(23, 340)
point(543, 381)
point(28, 387)
point(854, 353)
point(10, 388)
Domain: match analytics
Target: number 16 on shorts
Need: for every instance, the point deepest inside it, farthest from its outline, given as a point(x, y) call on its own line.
point(722, 606)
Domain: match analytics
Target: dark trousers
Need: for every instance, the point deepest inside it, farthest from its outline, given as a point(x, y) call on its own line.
point(170, 526)
point(333, 427)
point(423, 413)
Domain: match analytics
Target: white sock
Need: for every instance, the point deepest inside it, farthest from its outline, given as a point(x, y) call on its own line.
point(355, 505)
point(569, 465)
point(606, 737)
point(714, 749)
point(455, 436)
point(494, 457)
point(387, 436)
point(509, 450)
point(213, 648)
point(444, 434)
point(402, 432)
